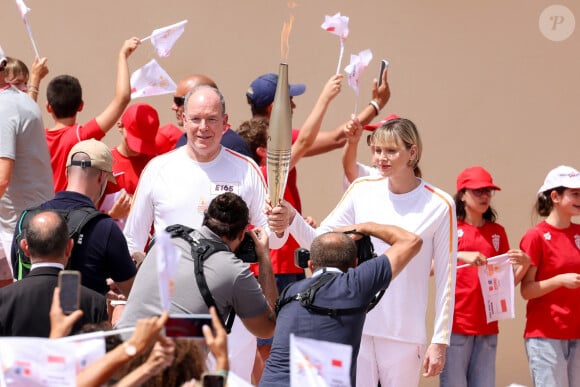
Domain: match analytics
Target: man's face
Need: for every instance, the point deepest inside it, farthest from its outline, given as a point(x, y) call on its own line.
point(177, 107)
point(204, 123)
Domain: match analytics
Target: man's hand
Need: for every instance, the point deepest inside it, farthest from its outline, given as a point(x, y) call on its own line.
point(381, 94)
point(279, 217)
point(434, 360)
point(261, 241)
point(60, 323)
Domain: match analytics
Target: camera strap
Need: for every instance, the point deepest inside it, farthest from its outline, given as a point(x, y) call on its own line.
point(307, 296)
point(201, 250)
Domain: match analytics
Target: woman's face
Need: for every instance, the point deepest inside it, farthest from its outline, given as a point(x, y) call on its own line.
point(392, 158)
point(569, 202)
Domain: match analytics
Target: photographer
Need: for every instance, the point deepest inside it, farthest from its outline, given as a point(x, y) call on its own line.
point(338, 309)
point(229, 280)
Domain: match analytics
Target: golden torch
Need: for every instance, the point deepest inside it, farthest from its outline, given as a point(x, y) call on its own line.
point(279, 138)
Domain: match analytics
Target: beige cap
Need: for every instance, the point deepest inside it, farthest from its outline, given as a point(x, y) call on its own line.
point(99, 154)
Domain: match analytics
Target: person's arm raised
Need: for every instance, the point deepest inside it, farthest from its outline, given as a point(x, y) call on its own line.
point(404, 244)
point(107, 119)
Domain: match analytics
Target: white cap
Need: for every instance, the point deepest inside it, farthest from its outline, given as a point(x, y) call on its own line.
point(2, 56)
point(562, 176)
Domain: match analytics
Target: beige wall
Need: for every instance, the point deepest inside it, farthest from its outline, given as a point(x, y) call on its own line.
point(481, 82)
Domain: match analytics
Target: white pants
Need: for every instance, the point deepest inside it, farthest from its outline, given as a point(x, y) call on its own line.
point(5, 262)
point(394, 363)
point(241, 351)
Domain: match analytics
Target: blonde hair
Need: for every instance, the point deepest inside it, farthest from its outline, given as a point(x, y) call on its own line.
point(399, 130)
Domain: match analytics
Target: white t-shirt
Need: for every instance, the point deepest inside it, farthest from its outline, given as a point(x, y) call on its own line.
point(175, 189)
point(426, 211)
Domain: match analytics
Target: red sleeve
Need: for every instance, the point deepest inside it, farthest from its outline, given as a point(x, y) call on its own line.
point(531, 245)
point(90, 130)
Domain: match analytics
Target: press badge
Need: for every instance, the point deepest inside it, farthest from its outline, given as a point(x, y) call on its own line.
point(219, 188)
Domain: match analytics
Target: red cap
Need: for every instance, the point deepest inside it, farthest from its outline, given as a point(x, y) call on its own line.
point(373, 127)
point(167, 137)
point(475, 178)
point(141, 123)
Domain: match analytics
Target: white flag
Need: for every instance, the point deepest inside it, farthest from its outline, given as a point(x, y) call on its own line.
point(164, 38)
point(167, 263)
point(23, 8)
point(319, 363)
point(497, 286)
point(337, 25)
point(151, 80)
point(358, 63)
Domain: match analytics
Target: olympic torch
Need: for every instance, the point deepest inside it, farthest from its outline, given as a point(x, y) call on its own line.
point(279, 138)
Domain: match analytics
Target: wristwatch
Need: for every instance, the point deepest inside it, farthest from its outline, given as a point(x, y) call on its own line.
point(130, 349)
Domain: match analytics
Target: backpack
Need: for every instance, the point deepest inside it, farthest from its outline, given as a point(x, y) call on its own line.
point(201, 250)
point(307, 296)
point(75, 218)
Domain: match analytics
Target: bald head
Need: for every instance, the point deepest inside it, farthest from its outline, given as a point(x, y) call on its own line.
point(183, 87)
point(333, 249)
point(190, 82)
point(46, 237)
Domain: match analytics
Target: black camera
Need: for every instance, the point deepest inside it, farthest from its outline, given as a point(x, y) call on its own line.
point(247, 249)
point(364, 251)
point(301, 257)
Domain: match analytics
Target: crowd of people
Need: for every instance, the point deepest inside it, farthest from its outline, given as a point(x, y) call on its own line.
point(67, 201)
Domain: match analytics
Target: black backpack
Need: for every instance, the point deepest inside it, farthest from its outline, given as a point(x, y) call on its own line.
point(76, 219)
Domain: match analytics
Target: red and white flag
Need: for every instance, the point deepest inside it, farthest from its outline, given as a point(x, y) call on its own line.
point(337, 25)
point(23, 12)
point(151, 80)
point(164, 38)
point(319, 363)
point(167, 264)
point(497, 287)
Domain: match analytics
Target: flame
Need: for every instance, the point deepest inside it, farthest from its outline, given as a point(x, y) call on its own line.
point(284, 37)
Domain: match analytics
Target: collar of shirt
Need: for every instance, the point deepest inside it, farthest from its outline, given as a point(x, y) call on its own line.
point(325, 270)
point(47, 264)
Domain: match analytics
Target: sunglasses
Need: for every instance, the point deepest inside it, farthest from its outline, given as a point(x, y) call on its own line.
point(481, 191)
point(178, 101)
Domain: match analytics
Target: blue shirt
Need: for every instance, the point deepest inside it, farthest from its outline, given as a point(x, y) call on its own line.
point(353, 289)
point(230, 140)
point(103, 253)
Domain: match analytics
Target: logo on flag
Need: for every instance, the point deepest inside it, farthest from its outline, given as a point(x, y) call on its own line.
point(164, 38)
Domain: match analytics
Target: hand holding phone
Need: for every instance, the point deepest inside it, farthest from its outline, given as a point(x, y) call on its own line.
point(383, 66)
point(69, 283)
point(187, 325)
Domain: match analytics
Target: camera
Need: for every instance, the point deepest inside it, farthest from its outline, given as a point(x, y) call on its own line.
point(247, 249)
point(364, 251)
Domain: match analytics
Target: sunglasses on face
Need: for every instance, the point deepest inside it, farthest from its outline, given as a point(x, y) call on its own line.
point(481, 191)
point(178, 101)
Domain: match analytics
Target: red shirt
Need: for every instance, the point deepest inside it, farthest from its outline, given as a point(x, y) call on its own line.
point(469, 316)
point(126, 171)
point(555, 315)
point(61, 141)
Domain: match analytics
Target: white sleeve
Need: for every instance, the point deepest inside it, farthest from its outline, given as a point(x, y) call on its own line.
point(141, 215)
point(445, 263)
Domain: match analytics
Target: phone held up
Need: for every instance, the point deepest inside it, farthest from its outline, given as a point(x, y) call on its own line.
point(213, 380)
point(69, 283)
point(383, 66)
point(187, 325)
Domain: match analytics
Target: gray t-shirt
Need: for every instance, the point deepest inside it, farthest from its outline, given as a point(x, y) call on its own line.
point(230, 281)
point(22, 139)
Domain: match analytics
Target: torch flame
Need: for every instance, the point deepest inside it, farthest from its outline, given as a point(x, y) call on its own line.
point(284, 36)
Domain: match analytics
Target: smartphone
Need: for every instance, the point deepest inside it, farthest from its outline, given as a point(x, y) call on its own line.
point(69, 283)
point(187, 325)
point(213, 380)
point(383, 66)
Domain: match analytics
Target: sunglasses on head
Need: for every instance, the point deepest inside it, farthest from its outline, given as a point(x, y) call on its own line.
point(178, 101)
